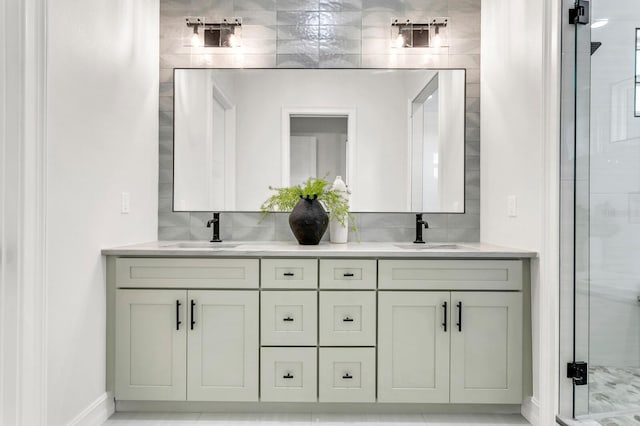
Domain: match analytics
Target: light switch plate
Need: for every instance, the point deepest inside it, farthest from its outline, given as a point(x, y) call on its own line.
point(125, 207)
point(512, 207)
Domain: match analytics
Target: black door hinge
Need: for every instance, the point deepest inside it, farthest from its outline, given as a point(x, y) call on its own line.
point(580, 13)
point(578, 372)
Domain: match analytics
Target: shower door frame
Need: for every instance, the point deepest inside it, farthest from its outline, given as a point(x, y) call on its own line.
point(573, 346)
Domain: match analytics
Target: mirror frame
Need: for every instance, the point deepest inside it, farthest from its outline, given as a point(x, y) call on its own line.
point(464, 148)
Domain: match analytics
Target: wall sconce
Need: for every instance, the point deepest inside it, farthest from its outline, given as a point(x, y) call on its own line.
point(194, 36)
point(219, 34)
point(410, 34)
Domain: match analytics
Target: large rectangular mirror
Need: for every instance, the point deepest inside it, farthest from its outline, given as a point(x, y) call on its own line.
point(396, 136)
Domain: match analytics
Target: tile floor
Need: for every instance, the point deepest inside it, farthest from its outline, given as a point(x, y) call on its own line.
point(614, 389)
point(205, 419)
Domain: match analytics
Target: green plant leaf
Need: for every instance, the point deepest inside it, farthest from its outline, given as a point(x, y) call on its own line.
point(334, 202)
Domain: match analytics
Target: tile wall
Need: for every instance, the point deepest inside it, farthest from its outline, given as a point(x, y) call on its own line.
point(321, 34)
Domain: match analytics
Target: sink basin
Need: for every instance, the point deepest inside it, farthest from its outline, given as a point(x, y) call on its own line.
point(436, 246)
point(201, 245)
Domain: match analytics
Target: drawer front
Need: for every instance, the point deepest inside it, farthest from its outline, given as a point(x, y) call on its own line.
point(289, 318)
point(450, 274)
point(347, 375)
point(289, 273)
point(347, 318)
point(348, 274)
point(288, 374)
point(191, 273)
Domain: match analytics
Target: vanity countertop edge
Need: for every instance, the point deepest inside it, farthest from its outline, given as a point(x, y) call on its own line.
point(324, 249)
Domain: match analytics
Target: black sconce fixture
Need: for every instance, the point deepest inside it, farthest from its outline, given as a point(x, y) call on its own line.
point(215, 34)
point(427, 34)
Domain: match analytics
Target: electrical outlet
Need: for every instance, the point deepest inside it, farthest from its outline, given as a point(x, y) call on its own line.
point(512, 206)
point(125, 206)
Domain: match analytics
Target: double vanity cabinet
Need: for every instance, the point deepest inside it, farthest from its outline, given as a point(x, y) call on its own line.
point(354, 326)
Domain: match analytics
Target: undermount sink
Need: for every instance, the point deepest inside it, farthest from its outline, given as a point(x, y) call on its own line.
point(436, 246)
point(201, 245)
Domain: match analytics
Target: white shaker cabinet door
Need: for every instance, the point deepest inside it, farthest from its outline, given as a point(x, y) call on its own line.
point(413, 346)
point(486, 347)
point(223, 346)
point(151, 334)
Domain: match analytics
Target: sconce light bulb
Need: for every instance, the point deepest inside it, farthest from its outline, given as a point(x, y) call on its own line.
point(195, 39)
point(234, 40)
point(437, 40)
point(399, 41)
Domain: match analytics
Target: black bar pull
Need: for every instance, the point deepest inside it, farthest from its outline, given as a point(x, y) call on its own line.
point(444, 324)
point(288, 274)
point(178, 322)
point(193, 320)
point(347, 319)
point(288, 319)
point(288, 376)
point(347, 376)
point(459, 323)
point(347, 274)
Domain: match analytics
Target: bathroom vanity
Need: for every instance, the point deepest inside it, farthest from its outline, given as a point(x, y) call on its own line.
point(356, 323)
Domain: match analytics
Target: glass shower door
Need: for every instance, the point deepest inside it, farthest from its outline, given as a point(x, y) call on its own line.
point(606, 208)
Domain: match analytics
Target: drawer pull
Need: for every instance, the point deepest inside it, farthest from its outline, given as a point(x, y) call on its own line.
point(347, 274)
point(178, 322)
point(288, 319)
point(459, 324)
point(288, 376)
point(193, 318)
point(288, 274)
point(347, 376)
point(444, 324)
point(347, 319)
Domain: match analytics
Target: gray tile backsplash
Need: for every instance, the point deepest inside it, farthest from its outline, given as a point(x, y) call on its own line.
point(321, 34)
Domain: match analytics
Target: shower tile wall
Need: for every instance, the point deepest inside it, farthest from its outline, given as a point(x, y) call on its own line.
point(320, 34)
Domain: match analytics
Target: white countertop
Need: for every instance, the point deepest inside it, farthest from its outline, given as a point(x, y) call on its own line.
point(293, 249)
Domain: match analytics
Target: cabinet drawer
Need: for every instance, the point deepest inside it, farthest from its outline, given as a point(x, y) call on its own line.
point(192, 273)
point(347, 318)
point(289, 318)
point(288, 374)
point(349, 274)
point(347, 375)
point(450, 274)
point(289, 273)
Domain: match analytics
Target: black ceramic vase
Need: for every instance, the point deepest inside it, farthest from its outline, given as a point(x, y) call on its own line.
point(308, 220)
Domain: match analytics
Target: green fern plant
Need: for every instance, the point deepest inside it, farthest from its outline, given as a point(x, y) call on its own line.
point(286, 198)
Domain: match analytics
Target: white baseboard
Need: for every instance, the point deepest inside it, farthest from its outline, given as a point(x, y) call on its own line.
point(97, 412)
point(531, 410)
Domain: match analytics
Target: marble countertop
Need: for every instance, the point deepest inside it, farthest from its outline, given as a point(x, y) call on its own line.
point(293, 249)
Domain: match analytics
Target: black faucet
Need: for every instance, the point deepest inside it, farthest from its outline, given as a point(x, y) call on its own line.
point(216, 227)
point(419, 223)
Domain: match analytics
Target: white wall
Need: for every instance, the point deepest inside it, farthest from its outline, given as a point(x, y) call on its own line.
point(102, 131)
point(512, 138)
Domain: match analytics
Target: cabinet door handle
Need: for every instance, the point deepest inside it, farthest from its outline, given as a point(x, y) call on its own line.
point(347, 319)
point(347, 376)
point(347, 274)
point(288, 274)
point(178, 322)
point(193, 319)
point(288, 319)
point(444, 324)
point(288, 376)
point(459, 324)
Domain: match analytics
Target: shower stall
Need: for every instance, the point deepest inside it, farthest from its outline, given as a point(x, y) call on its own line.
point(600, 213)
